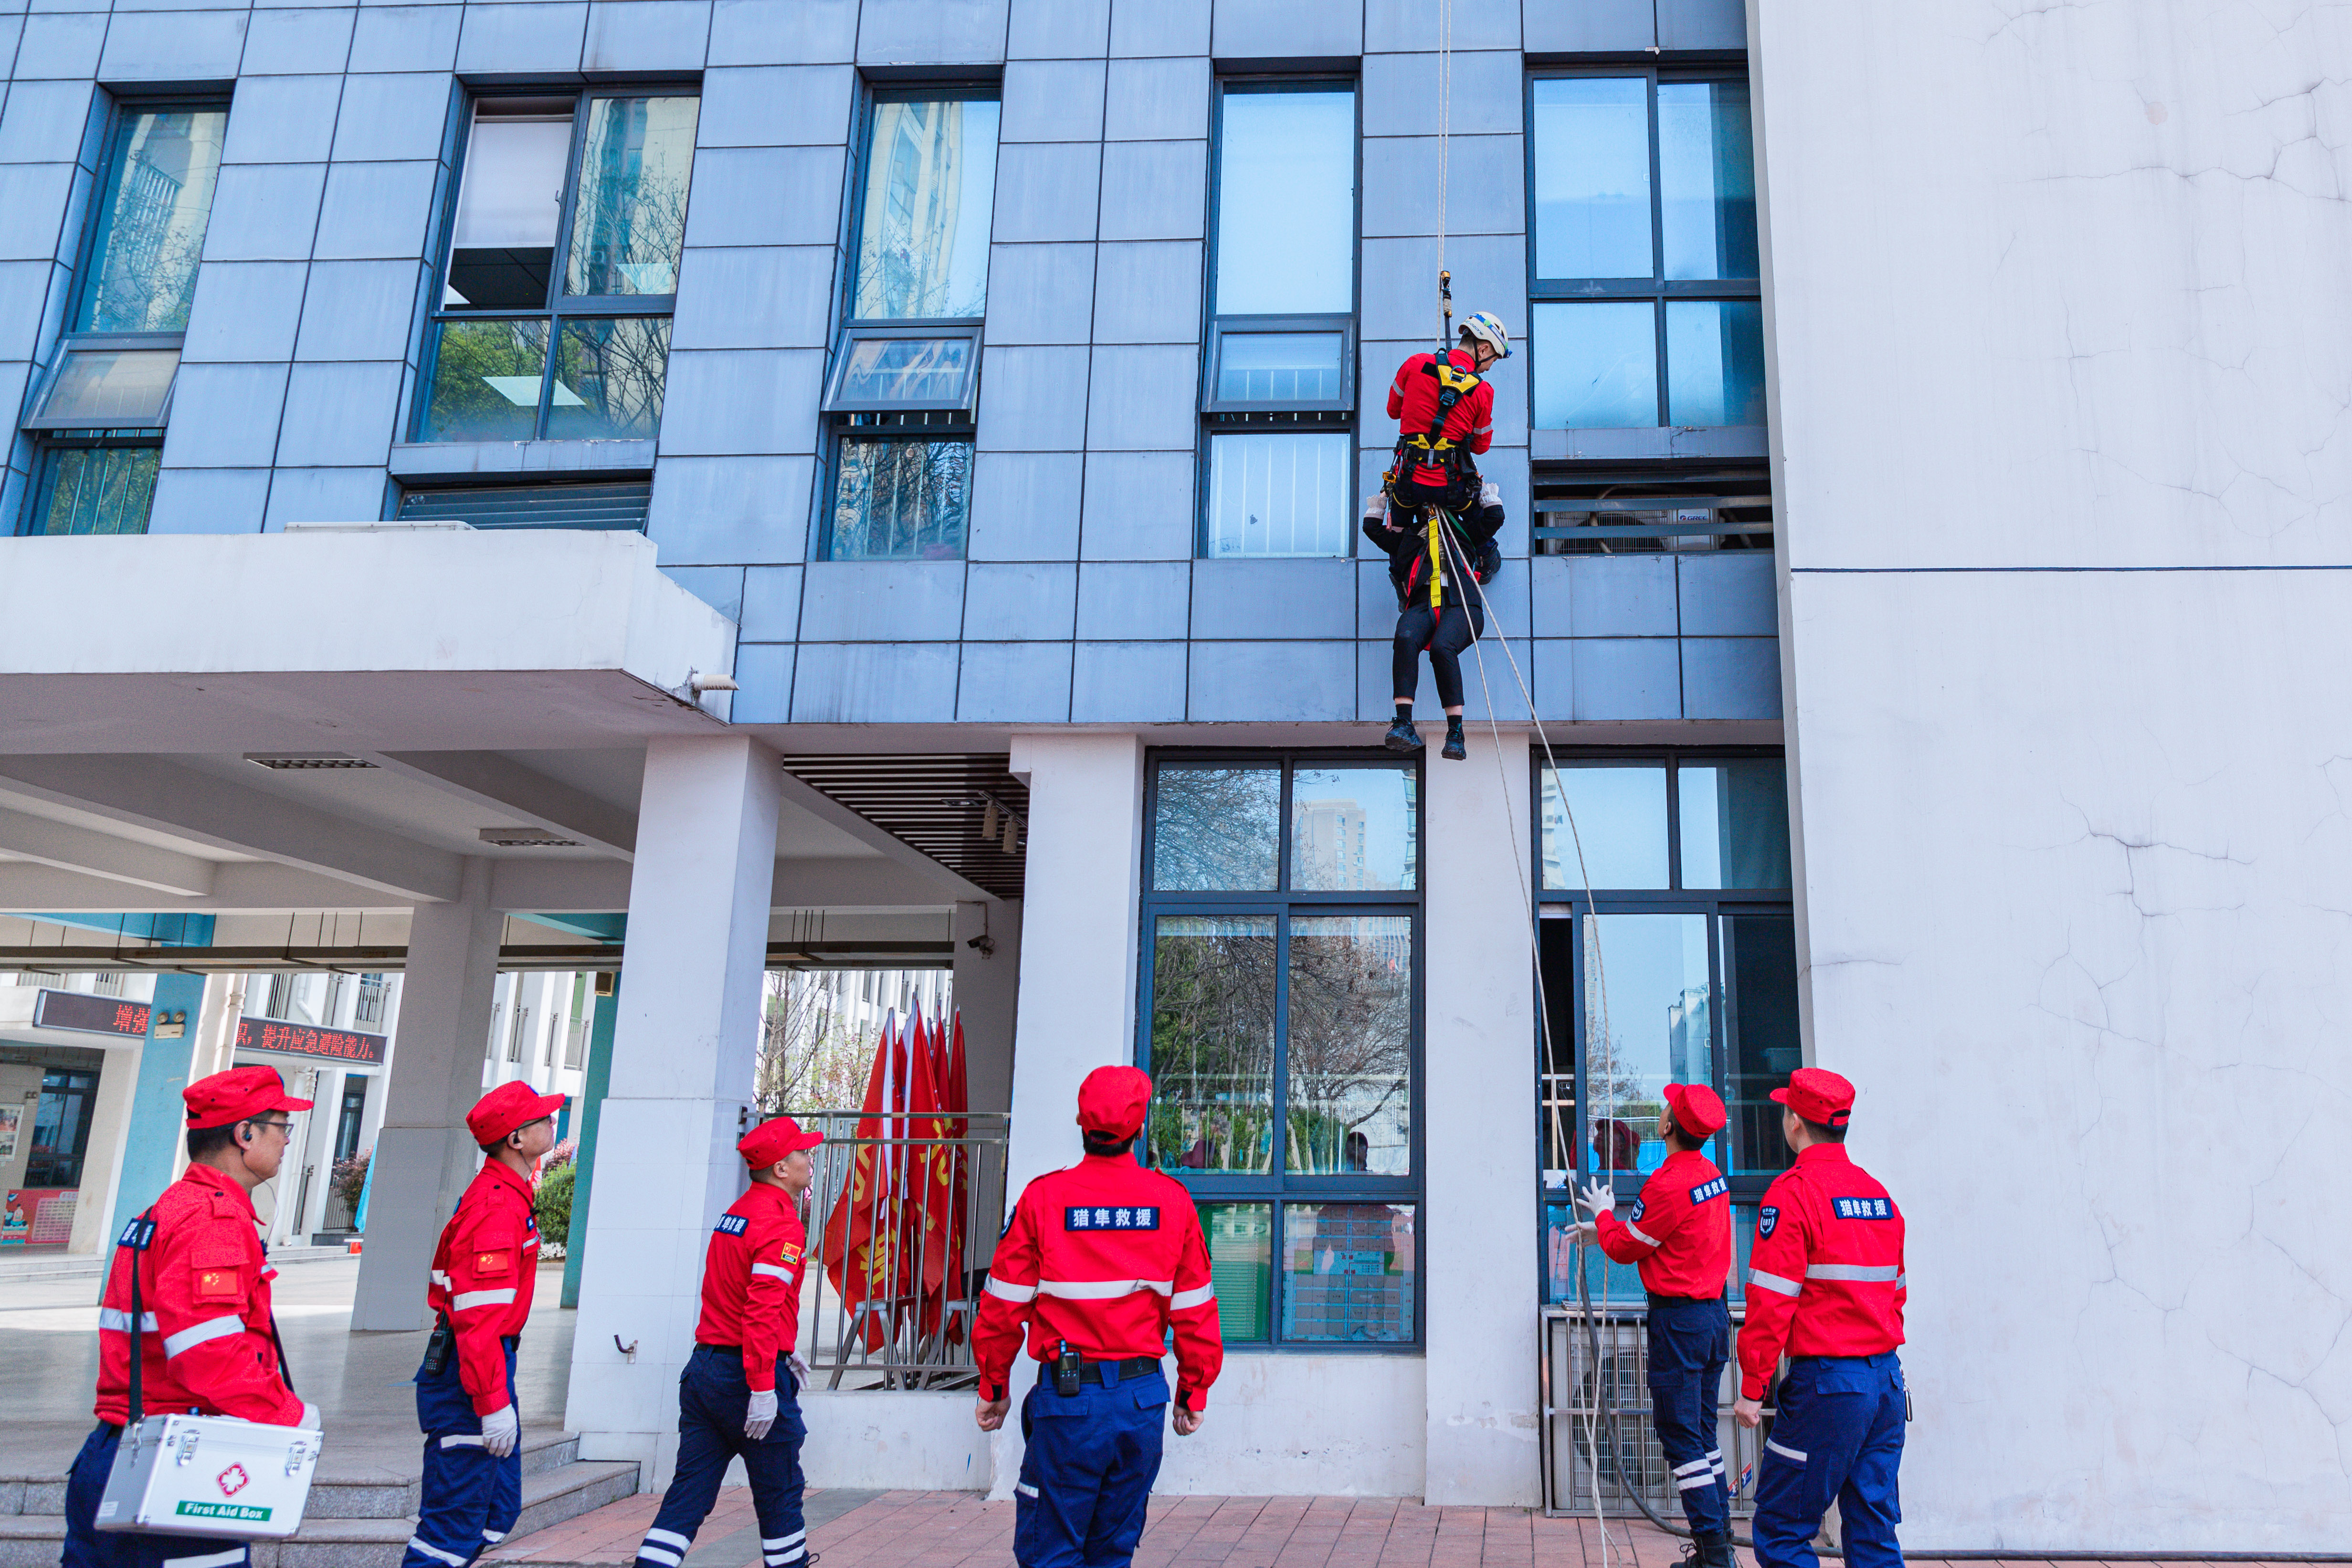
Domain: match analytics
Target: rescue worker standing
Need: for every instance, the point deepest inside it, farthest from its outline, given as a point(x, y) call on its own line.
point(739, 1392)
point(1680, 1234)
point(1445, 410)
point(206, 1340)
point(1099, 1261)
point(1825, 1287)
point(483, 1274)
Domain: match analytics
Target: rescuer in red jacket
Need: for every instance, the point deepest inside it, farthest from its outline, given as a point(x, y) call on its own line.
point(1680, 1234)
point(204, 1331)
point(1099, 1261)
point(483, 1273)
point(739, 1393)
point(1825, 1288)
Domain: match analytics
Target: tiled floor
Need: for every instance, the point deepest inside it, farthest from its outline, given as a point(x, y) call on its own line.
point(951, 1529)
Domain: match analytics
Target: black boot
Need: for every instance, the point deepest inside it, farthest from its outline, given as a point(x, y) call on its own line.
point(1455, 747)
point(1710, 1549)
point(1401, 736)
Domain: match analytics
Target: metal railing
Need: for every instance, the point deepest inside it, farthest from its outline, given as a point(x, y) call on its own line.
point(895, 1273)
point(1607, 1408)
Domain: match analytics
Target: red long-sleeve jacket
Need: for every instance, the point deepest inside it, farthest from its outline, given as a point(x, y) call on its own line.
point(483, 1272)
point(1680, 1229)
point(752, 1281)
point(203, 1301)
point(1825, 1275)
point(1412, 403)
point(1107, 1256)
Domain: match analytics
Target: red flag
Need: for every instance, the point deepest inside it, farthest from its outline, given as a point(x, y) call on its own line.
point(863, 1239)
point(959, 1123)
point(930, 1172)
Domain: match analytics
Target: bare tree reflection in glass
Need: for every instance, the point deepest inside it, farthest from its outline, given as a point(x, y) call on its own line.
point(1217, 829)
point(1349, 1103)
point(1212, 986)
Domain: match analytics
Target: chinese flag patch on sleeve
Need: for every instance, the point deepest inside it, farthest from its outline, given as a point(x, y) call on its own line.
point(219, 1285)
point(791, 1253)
point(496, 1262)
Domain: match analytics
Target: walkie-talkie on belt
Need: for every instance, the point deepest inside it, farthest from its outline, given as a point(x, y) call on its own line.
point(1067, 1366)
point(437, 1348)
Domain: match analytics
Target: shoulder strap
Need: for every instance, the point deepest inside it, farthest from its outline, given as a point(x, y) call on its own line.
point(141, 1231)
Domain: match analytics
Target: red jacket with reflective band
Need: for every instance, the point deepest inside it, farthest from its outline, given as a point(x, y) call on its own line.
point(1679, 1230)
point(1825, 1275)
point(1108, 1256)
point(752, 1281)
point(204, 1292)
point(1412, 403)
point(482, 1277)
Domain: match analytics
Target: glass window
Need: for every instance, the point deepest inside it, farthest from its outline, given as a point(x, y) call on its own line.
point(562, 263)
point(1735, 823)
point(1619, 826)
point(1649, 1021)
point(896, 371)
point(1630, 223)
point(1212, 1042)
point(1216, 828)
point(1287, 202)
point(102, 387)
point(923, 226)
point(151, 220)
point(1350, 1045)
point(897, 499)
point(1278, 493)
point(95, 490)
point(1351, 1272)
point(1352, 827)
point(1284, 368)
point(1241, 1266)
point(1762, 1043)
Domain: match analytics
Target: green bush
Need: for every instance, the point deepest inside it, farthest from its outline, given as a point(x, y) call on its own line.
point(553, 1205)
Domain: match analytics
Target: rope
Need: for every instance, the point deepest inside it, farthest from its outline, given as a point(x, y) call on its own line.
point(1445, 149)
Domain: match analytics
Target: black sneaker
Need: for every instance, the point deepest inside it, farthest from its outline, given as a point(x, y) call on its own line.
point(1402, 736)
point(1456, 747)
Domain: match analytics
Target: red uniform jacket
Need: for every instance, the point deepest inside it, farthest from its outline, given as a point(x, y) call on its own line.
point(1826, 1276)
point(1680, 1229)
point(752, 1281)
point(203, 1297)
point(483, 1271)
point(1108, 1256)
point(1412, 403)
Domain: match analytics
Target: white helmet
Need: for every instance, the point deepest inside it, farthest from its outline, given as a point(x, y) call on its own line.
point(1489, 332)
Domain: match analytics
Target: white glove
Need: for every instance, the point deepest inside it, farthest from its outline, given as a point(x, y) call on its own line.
point(1599, 1199)
point(312, 1420)
point(800, 1370)
point(1376, 504)
point(760, 1414)
point(1490, 494)
point(500, 1431)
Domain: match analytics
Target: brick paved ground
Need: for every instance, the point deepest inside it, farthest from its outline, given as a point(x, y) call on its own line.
point(956, 1530)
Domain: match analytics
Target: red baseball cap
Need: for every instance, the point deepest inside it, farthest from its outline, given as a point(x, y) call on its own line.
point(1818, 1095)
point(506, 1107)
point(227, 1098)
point(771, 1140)
point(1111, 1101)
point(1698, 1110)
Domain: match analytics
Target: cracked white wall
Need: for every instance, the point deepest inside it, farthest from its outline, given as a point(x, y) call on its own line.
point(2061, 360)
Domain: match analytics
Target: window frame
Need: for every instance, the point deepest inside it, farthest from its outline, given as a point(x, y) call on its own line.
point(560, 309)
point(1279, 1188)
point(1657, 289)
point(1219, 417)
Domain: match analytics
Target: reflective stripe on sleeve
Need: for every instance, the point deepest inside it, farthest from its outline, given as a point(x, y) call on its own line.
point(1898, 1282)
point(1102, 1289)
point(208, 1560)
point(441, 1277)
point(1773, 1283)
point(1006, 1291)
point(1796, 1454)
point(1872, 1273)
point(771, 1270)
point(1636, 1233)
point(1201, 1297)
point(118, 1319)
point(210, 1329)
point(481, 1299)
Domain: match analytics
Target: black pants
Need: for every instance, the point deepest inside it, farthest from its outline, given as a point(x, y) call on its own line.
point(1445, 635)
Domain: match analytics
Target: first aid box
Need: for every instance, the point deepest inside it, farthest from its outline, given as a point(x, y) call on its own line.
point(209, 1475)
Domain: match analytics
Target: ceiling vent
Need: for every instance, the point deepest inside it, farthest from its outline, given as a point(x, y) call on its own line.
point(283, 761)
point(527, 839)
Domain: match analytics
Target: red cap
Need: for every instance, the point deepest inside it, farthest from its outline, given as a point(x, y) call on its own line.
point(771, 1140)
point(1111, 1101)
point(1698, 1110)
point(1818, 1095)
point(227, 1098)
point(506, 1107)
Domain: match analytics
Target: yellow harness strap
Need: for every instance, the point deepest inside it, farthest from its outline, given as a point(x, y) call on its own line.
point(1436, 555)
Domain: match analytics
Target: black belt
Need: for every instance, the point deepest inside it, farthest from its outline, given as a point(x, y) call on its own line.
point(1658, 1301)
point(1092, 1371)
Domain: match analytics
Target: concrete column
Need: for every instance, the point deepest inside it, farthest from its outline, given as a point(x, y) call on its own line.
point(215, 1045)
point(593, 1084)
point(101, 1166)
point(1478, 1217)
point(159, 1116)
point(423, 1156)
point(685, 1044)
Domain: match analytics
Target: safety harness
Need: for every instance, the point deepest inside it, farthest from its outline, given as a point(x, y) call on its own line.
point(1435, 448)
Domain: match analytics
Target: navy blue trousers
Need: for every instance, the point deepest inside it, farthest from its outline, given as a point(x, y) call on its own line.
point(712, 1398)
point(1087, 1474)
point(1689, 1344)
point(1838, 1439)
point(86, 1548)
point(470, 1495)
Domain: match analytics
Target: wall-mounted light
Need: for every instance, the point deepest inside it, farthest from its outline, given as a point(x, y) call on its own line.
point(171, 1026)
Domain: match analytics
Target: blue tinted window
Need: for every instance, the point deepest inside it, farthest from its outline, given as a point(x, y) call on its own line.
point(1596, 366)
point(1592, 177)
point(1287, 203)
point(930, 187)
point(1707, 179)
point(1714, 361)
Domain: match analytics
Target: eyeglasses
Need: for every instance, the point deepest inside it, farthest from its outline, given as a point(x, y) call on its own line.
point(285, 1126)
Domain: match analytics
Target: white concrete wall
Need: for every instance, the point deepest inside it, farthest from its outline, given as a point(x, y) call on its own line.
point(2062, 376)
point(1293, 1426)
point(890, 1441)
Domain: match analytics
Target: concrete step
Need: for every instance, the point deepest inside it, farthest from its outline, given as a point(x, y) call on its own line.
point(548, 1496)
point(331, 1496)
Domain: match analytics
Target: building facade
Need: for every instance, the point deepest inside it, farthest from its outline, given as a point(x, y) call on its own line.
point(876, 482)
